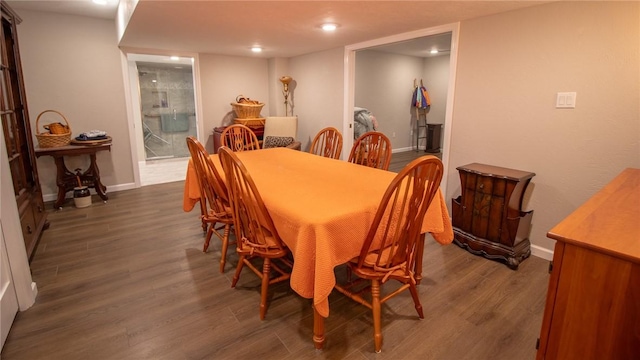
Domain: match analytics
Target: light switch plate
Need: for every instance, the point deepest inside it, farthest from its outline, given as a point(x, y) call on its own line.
point(566, 100)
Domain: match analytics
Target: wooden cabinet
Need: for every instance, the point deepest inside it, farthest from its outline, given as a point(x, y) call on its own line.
point(593, 301)
point(17, 135)
point(487, 217)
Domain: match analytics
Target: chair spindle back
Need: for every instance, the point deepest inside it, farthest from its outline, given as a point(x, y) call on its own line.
point(327, 143)
point(372, 149)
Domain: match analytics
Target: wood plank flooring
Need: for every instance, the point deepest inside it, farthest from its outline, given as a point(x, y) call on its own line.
point(128, 280)
point(400, 159)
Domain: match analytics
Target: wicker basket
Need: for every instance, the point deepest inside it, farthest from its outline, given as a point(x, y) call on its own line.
point(247, 111)
point(49, 140)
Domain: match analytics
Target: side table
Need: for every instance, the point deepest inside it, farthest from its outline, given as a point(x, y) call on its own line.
point(67, 180)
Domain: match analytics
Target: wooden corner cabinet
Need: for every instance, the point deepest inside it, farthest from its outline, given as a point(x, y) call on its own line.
point(487, 218)
point(592, 310)
point(17, 135)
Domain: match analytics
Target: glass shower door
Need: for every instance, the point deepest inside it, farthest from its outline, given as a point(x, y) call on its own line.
point(167, 102)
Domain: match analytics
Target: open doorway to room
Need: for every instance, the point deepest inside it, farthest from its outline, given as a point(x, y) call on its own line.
point(164, 115)
point(381, 76)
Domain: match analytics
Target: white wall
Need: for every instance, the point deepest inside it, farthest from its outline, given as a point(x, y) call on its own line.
point(510, 67)
point(72, 64)
point(278, 67)
point(384, 86)
point(436, 80)
point(318, 93)
point(222, 78)
point(436, 77)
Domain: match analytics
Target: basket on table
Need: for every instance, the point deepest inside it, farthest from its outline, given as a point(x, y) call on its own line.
point(56, 135)
point(246, 108)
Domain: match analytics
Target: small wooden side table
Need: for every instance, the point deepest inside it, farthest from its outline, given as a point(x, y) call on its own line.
point(65, 179)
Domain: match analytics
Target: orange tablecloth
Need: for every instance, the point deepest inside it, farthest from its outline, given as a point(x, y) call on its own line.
point(322, 209)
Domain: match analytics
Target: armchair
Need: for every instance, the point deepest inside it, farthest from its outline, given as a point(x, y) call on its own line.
point(280, 131)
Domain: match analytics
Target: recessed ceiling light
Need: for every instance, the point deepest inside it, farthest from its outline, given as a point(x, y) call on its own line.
point(329, 27)
point(100, 2)
point(175, 58)
point(256, 49)
point(434, 51)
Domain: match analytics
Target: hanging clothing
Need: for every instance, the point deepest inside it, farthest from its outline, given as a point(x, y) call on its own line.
point(420, 98)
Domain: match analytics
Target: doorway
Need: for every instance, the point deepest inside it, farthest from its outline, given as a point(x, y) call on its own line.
point(167, 105)
point(164, 107)
point(407, 42)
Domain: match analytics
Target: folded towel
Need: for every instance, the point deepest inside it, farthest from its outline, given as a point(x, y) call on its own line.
point(92, 135)
point(83, 137)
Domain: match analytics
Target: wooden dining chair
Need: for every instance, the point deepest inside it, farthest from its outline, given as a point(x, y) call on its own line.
point(327, 143)
point(389, 250)
point(256, 235)
point(213, 196)
point(238, 137)
point(372, 149)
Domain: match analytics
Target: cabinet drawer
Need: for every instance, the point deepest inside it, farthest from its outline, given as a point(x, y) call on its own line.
point(487, 185)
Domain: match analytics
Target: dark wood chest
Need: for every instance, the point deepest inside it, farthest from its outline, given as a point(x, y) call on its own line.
point(487, 217)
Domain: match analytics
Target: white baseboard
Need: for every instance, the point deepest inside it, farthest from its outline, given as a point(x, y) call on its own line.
point(401, 149)
point(111, 188)
point(541, 252)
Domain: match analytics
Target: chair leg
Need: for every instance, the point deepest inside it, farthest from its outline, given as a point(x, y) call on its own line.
point(236, 276)
point(203, 212)
point(416, 300)
point(208, 238)
point(375, 307)
point(266, 269)
point(225, 245)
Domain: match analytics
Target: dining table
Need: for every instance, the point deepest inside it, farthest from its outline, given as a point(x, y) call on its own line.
point(322, 209)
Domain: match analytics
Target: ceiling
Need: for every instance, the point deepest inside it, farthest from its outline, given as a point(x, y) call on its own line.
point(281, 28)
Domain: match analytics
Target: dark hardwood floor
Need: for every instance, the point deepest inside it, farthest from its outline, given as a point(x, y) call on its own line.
point(400, 159)
point(128, 280)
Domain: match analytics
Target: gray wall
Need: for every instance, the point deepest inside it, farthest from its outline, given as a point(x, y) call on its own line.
point(318, 94)
point(384, 84)
point(510, 67)
point(222, 78)
point(72, 64)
